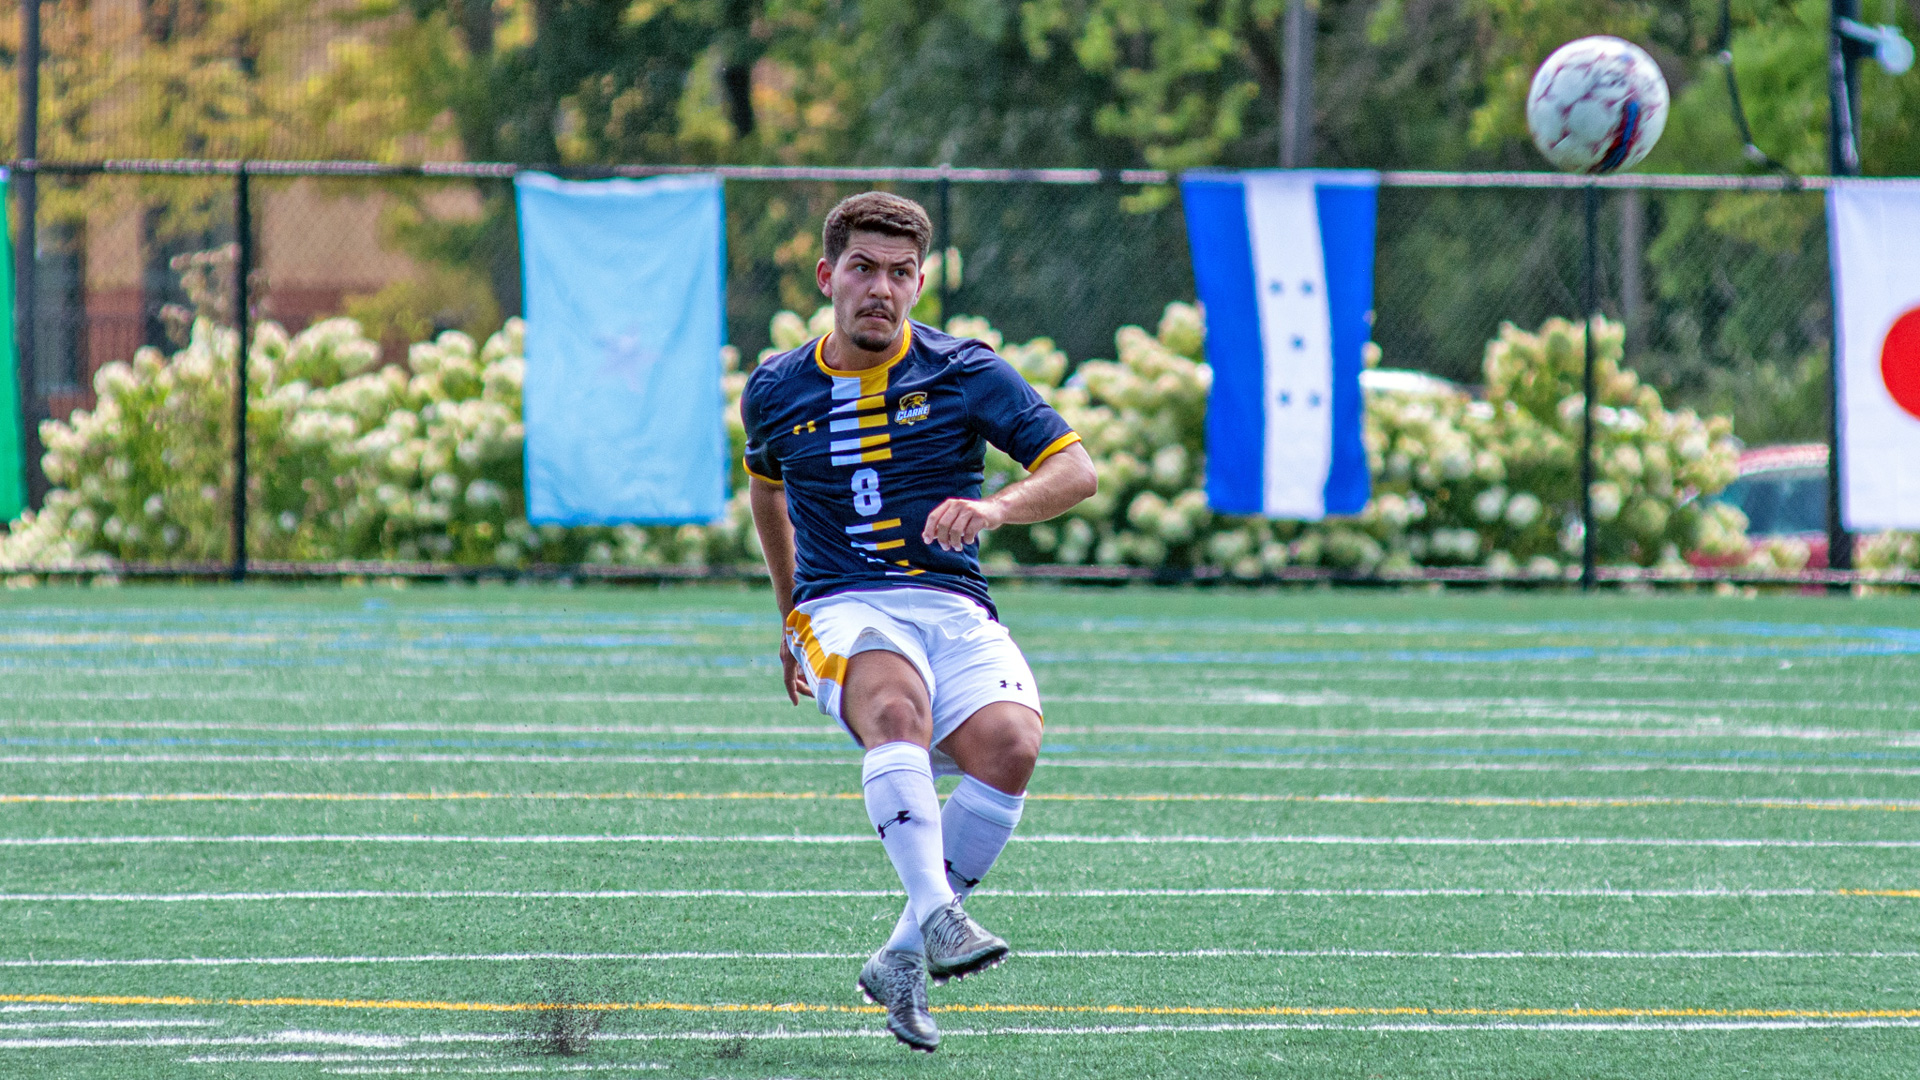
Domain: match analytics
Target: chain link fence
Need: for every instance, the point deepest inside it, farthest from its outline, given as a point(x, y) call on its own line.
point(1722, 283)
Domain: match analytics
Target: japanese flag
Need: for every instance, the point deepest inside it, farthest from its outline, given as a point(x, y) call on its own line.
point(1875, 231)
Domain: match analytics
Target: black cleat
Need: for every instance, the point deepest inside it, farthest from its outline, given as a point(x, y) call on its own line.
point(897, 980)
point(957, 946)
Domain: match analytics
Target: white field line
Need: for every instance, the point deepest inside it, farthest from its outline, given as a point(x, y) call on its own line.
point(480, 1070)
point(323, 1057)
point(38, 1024)
point(284, 1038)
point(442, 672)
point(1027, 894)
point(437, 727)
point(1677, 714)
point(785, 1034)
point(1025, 954)
point(1313, 699)
point(1806, 675)
point(1652, 708)
point(1308, 1025)
point(1472, 801)
point(1041, 838)
point(1636, 767)
point(1607, 707)
point(425, 759)
point(1813, 678)
point(1471, 841)
point(453, 894)
point(1647, 1025)
point(828, 760)
point(293, 697)
point(1693, 730)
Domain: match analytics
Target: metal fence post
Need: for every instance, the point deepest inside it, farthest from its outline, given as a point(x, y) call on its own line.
point(1843, 159)
point(1590, 297)
point(945, 200)
point(243, 269)
point(25, 310)
point(1296, 84)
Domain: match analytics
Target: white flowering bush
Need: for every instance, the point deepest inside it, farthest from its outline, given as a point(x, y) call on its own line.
point(423, 461)
point(419, 461)
point(1497, 482)
point(1889, 552)
point(1493, 483)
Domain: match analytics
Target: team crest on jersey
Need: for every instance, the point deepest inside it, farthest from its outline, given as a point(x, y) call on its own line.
point(913, 409)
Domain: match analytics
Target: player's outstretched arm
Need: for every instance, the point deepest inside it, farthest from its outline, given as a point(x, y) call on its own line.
point(1060, 483)
point(770, 521)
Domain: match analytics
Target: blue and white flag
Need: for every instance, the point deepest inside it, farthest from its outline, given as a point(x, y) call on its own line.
point(1283, 260)
point(625, 303)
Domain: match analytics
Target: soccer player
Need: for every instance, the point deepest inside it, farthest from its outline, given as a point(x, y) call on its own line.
point(865, 450)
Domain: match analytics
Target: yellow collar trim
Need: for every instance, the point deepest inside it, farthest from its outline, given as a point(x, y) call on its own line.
point(820, 357)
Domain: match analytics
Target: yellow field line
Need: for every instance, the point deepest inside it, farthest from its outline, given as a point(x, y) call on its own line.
point(1622, 1013)
point(1475, 801)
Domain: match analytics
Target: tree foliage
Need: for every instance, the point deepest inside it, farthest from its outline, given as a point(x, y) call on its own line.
point(1734, 284)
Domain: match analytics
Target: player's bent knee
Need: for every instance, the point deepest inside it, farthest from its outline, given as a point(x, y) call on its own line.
point(886, 701)
point(999, 746)
point(895, 717)
point(1020, 743)
point(1022, 753)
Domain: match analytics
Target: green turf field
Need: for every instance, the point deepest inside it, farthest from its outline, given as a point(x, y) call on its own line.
point(285, 833)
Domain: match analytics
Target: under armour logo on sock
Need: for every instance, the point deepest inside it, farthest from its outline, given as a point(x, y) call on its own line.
point(898, 818)
point(964, 880)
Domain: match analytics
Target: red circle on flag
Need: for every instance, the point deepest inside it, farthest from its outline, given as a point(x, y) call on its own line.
point(1900, 362)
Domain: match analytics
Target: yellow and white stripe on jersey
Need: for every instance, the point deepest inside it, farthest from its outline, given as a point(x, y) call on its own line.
point(873, 527)
point(862, 407)
point(855, 451)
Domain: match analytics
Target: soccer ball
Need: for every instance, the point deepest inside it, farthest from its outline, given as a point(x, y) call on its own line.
point(1597, 105)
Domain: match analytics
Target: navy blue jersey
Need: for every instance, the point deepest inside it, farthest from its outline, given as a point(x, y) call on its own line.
point(866, 455)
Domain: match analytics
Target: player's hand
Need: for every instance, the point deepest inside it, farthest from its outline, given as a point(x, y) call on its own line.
point(791, 674)
point(958, 522)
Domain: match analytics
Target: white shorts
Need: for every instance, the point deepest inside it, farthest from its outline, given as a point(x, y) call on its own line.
point(967, 660)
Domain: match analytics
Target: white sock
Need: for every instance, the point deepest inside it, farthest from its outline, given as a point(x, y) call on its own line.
point(974, 827)
point(905, 811)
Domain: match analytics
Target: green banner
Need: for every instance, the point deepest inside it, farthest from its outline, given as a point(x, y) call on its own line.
point(13, 473)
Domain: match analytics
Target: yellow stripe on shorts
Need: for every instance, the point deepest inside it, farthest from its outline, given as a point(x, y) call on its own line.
point(825, 665)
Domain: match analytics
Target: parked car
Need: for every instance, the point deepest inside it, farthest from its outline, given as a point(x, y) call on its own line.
point(1783, 492)
point(1402, 381)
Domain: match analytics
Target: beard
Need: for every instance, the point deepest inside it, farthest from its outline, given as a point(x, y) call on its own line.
point(873, 340)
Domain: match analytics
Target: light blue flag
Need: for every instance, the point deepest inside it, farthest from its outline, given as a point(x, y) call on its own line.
point(625, 304)
point(1283, 261)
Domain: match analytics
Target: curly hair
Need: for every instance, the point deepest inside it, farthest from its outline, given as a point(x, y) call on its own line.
point(878, 212)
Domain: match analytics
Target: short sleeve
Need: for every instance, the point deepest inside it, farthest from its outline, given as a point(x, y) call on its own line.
point(1005, 409)
point(761, 464)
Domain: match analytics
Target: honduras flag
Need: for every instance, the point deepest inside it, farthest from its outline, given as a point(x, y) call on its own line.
point(625, 308)
point(1283, 260)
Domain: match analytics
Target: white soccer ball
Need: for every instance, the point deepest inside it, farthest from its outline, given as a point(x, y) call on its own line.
point(1597, 105)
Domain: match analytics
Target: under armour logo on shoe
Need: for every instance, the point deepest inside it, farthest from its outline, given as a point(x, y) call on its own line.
point(899, 818)
point(964, 880)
